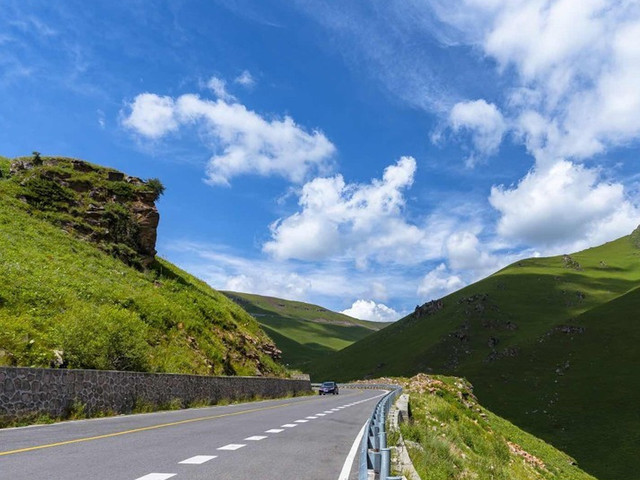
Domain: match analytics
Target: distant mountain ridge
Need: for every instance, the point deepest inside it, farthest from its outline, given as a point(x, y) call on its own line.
point(549, 343)
point(303, 331)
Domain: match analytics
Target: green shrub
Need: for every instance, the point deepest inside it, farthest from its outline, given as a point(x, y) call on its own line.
point(156, 186)
point(104, 338)
point(121, 189)
point(47, 194)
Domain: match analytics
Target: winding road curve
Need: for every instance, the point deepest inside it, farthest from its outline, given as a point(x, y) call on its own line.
point(297, 438)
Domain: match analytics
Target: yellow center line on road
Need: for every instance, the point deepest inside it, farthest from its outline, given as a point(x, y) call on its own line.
point(151, 427)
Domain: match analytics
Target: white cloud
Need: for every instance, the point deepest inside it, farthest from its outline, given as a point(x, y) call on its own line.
point(219, 87)
point(439, 282)
point(465, 252)
point(578, 59)
point(563, 206)
point(245, 79)
point(329, 283)
point(247, 142)
point(362, 222)
point(484, 122)
point(370, 310)
point(152, 115)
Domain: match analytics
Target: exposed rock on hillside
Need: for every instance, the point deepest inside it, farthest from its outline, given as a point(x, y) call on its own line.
point(101, 205)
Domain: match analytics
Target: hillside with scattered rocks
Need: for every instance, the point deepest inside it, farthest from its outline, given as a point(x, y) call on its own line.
point(82, 286)
point(549, 343)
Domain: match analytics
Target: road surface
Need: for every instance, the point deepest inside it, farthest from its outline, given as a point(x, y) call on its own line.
point(296, 439)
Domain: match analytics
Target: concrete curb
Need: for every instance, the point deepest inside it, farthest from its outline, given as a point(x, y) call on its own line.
point(400, 460)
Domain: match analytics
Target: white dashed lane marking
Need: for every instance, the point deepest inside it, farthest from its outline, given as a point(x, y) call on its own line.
point(289, 425)
point(320, 414)
point(232, 446)
point(198, 459)
point(275, 430)
point(157, 476)
point(311, 418)
point(256, 438)
point(301, 421)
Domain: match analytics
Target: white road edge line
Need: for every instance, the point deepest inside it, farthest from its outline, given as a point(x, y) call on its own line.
point(198, 459)
point(348, 462)
point(157, 476)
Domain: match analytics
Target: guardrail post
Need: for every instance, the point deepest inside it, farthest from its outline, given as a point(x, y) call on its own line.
point(382, 439)
point(376, 438)
point(385, 463)
point(376, 461)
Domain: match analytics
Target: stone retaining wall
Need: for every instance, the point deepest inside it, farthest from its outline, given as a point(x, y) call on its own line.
point(28, 391)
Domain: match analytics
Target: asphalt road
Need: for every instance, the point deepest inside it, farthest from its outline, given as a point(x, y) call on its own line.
point(299, 438)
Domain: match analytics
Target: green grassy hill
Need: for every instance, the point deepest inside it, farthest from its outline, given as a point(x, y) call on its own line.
point(304, 332)
point(452, 436)
point(68, 302)
point(549, 343)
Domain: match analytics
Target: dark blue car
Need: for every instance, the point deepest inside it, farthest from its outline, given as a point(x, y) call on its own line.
point(328, 387)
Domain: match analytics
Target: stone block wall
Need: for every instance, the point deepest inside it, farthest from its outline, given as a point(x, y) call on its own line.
point(28, 391)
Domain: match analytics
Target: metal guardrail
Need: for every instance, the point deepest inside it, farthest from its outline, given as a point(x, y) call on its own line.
point(375, 457)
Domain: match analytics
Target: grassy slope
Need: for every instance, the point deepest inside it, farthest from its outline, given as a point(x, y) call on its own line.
point(60, 293)
point(459, 439)
point(579, 391)
point(304, 332)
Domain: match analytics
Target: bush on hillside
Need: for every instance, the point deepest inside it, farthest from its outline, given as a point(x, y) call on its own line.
point(47, 194)
point(157, 187)
point(104, 338)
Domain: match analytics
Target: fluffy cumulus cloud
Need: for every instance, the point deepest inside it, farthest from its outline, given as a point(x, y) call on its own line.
point(438, 283)
point(564, 205)
point(577, 63)
point(574, 67)
point(483, 121)
point(152, 115)
point(465, 252)
point(567, 70)
point(244, 141)
point(361, 221)
point(370, 310)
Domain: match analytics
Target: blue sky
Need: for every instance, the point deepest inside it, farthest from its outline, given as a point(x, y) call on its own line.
point(365, 156)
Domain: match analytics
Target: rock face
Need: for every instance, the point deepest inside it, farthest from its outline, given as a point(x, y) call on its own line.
point(101, 205)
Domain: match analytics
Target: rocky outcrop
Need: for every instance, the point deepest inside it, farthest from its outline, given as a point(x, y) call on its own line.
point(147, 218)
point(428, 308)
point(102, 205)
